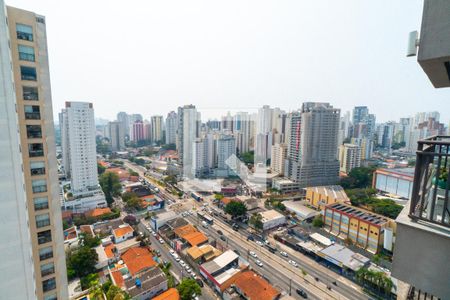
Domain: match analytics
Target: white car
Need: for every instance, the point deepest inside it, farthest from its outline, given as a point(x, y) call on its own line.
point(259, 243)
point(284, 254)
point(293, 263)
point(153, 233)
point(182, 263)
point(161, 241)
point(259, 263)
point(193, 276)
point(171, 252)
point(253, 254)
point(177, 258)
point(189, 270)
point(187, 267)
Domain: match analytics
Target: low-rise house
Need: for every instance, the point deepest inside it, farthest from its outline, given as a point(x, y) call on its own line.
point(97, 212)
point(106, 227)
point(152, 202)
point(123, 233)
point(147, 284)
point(189, 235)
point(138, 259)
point(160, 219)
point(106, 254)
point(271, 219)
point(249, 285)
point(170, 294)
point(203, 253)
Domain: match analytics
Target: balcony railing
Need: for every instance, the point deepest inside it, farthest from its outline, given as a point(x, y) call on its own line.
point(430, 194)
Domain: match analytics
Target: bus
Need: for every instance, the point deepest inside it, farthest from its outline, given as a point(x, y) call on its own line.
point(271, 248)
point(196, 197)
point(205, 217)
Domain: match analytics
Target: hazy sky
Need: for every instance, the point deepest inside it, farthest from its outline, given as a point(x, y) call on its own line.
point(150, 57)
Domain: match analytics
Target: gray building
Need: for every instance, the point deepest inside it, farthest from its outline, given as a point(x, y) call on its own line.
point(187, 132)
point(171, 128)
point(312, 157)
point(116, 135)
point(226, 147)
point(124, 119)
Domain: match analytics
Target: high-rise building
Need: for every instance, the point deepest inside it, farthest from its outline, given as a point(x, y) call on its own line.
point(33, 259)
point(157, 128)
point(147, 130)
point(131, 120)
point(366, 146)
point(137, 132)
point(187, 133)
point(349, 157)
point(312, 156)
point(279, 154)
point(171, 128)
point(241, 130)
point(226, 147)
point(124, 119)
point(116, 135)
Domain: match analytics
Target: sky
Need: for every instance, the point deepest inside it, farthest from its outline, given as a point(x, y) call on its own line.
point(149, 57)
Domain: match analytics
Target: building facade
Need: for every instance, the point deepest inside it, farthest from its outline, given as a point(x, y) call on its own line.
point(116, 135)
point(279, 154)
point(171, 128)
point(157, 128)
point(349, 157)
point(33, 264)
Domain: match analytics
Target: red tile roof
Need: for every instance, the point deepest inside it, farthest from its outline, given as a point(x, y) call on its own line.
point(121, 231)
point(109, 250)
point(195, 238)
point(96, 212)
point(118, 279)
point(170, 294)
point(138, 259)
point(255, 287)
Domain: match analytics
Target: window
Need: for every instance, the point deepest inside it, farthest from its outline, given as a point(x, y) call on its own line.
point(50, 297)
point(35, 150)
point(24, 32)
point(28, 73)
point(39, 186)
point(49, 284)
point(44, 237)
point(42, 220)
point(40, 203)
point(26, 53)
point(34, 131)
point(32, 112)
point(45, 253)
point(37, 168)
point(30, 93)
point(47, 269)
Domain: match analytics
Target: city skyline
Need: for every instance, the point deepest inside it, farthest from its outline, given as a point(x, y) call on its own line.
point(260, 56)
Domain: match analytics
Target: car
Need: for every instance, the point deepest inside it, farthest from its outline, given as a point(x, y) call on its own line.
point(223, 238)
point(182, 263)
point(158, 253)
point(252, 253)
point(189, 271)
point(250, 238)
point(220, 232)
point(204, 224)
point(177, 259)
point(161, 240)
point(291, 262)
point(302, 293)
point(187, 267)
point(193, 276)
point(266, 241)
point(259, 243)
point(199, 282)
point(259, 263)
point(283, 253)
point(171, 252)
point(154, 234)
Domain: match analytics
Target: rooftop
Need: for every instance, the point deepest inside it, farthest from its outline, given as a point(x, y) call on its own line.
point(138, 259)
point(195, 238)
point(335, 191)
point(321, 239)
point(177, 222)
point(149, 279)
point(96, 212)
point(254, 286)
point(359, 213)
point(302, 210)
point(219, 262)
point(123, 230)
point(184, 230)
point(405, 173)
point(206, 250)
point(344, 256)
point(270, 215)
point(170, 294)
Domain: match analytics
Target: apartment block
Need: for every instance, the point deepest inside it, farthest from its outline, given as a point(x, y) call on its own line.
point(365, 229)
point(349, 157)
point(279, 154)
point(116, 135)
point(33, 264)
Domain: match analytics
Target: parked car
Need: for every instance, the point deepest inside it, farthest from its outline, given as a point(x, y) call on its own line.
point(220, 232)
point(200, 283)
point(161, 240)
point(302, 293)
point(259, 243)
point(250, 238)
point(237, 252)
point(223, 238)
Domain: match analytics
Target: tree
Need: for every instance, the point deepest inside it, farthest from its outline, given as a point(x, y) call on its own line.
point(115, 293)
point(134, 202)
point(130, 219)
point(218, 196)
point(133, 173)
point(188, 288)
point(318, 221)
point(89, 280)
point(100, 169)
point(82, 262)
point(256, 221)
point(236, 209)
point(248, 157)
point(89, 241)
point(358, 178)
point(111, 186)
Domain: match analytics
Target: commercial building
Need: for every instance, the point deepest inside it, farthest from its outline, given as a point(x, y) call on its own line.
point(241, 131)
point(171, 127)
point(80, 157)
point(137, 131)
point(33, 260)
point(272, 218)
point(279, 154)
point(116, 135)
point(285, 185)
point(395, 182)
point(366, 146)
point(343, 257)
point(312, 156)
point(349, 157)
point(301, 211)
point(157, 128)
point(320, 196)
point(365, 229)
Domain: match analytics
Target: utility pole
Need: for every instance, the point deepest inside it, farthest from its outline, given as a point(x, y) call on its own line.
point(290, 286)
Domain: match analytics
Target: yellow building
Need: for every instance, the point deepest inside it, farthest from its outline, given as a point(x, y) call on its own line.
point(365, 229)
point(320, 196)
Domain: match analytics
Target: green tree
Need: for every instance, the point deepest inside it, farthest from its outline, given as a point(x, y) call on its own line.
point(82, 262)
point(256, 221)
point(89, 280)
point(111, 186)
point(358, 178)
point(116, 293)
point(218, 196)
point(100, 169)
point(248, 157)
point(134, 202)
point(89, 241)
point(188, 288)
point(318, 221)
point(236, 209)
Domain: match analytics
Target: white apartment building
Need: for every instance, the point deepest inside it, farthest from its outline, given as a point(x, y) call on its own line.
point(171, 128)
point(226, 147)
point(187, 132)
point(79, 156)
point(349, 157)
point(279, 154)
